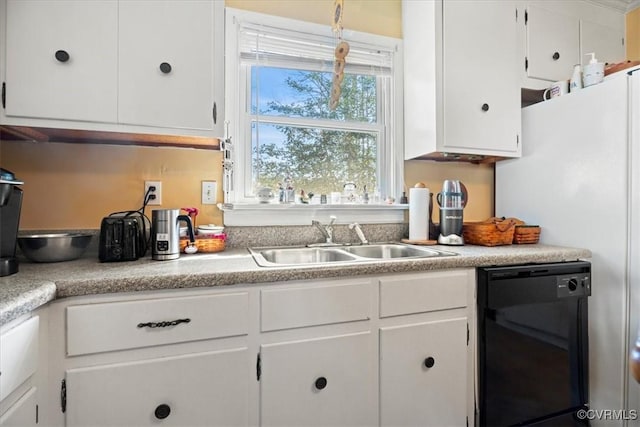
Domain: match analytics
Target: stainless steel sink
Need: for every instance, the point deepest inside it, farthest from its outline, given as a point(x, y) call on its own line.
point(305, 256)
point(391, 251)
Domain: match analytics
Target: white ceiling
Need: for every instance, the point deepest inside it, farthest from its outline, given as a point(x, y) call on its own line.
point(623, 5)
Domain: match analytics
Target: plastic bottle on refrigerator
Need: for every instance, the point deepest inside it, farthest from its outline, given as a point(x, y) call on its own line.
point(576, 79)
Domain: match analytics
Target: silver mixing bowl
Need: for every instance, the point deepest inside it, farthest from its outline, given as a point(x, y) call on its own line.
point(53, 247)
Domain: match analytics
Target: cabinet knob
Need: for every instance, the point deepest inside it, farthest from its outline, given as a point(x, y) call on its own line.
point(165, 67)
point(62, 55)
point(556, 56)
point(321, 383)
point(485, 107)
point(429, 362)
point(162, 411)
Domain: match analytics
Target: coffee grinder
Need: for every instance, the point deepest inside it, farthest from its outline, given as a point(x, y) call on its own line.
point(10, 204)
point(451, 200)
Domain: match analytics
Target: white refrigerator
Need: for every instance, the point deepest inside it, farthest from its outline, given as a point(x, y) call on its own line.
point(579, 179)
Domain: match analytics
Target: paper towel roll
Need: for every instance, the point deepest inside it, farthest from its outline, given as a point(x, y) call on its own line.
point(418, 213)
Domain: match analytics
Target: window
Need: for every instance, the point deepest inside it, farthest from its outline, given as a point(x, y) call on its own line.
point(281, 124)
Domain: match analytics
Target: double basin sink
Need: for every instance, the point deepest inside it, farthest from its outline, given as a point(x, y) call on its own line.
point(340, 254)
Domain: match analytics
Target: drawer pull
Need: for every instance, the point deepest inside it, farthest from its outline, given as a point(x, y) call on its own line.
point(321, 383)
point(162, 411)
point(429, 362)
point(163, 324)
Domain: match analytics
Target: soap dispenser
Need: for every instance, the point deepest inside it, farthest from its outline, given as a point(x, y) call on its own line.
point(593, 71)
point(576, 79)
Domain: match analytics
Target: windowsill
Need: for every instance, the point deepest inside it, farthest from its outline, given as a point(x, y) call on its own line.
point(259, 214)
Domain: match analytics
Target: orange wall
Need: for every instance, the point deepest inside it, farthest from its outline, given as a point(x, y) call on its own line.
point(71, 186)
point(382, 17)
point(633, 35)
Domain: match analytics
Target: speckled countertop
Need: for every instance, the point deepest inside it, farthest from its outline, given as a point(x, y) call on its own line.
point(36, 284)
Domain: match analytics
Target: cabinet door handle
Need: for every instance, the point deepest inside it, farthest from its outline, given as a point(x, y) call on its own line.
point(321, 383)
point(163, 324)
point(62, 55)
point(556, 56)
point(215, 113)
point(429, 362)
point(162, 411)
point(165, 67)
point(485, 107)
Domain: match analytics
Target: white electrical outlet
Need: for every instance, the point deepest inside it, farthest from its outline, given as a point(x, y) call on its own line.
point(209, 192)
point(157, 192)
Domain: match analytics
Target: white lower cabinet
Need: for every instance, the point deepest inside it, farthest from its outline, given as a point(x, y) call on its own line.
point(386, 350)
point(23, 413)
point(318, 382)
point(19, 356)
point(423, 374)
point(206, 389)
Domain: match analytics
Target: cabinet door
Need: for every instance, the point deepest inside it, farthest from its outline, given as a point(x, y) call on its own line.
point(62, 59)
point(411, 392)
point(481, 85)
point(204, 389)
point(23, 413)
point(605, 42)
point(552, 44)
point(166, 57)
point(318, 382)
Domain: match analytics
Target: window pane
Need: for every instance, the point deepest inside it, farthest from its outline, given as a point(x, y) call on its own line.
point(295, 93)
point(317, 160)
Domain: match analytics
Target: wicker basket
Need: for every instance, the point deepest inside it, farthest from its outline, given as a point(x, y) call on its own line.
point(526, 234)
point(491, 232)
point(208, 244)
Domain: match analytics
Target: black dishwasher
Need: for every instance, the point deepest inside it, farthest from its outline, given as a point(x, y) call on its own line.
point(533, 343)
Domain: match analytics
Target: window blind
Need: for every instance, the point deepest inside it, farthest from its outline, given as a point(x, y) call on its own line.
point(268, 46)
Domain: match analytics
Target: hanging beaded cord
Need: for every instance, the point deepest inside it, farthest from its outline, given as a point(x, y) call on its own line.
point(342, 49)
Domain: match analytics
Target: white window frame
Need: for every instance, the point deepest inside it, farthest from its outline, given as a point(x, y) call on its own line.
point(244, 210)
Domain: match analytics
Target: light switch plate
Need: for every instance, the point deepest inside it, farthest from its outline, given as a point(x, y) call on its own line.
point(209, 192)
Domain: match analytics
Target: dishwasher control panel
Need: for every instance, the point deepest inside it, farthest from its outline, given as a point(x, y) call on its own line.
point(574, 285)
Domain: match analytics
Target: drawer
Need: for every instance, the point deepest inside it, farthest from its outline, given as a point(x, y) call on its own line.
point(18, 355)
point(421, 293)
point(95, 328)
point(315, 304)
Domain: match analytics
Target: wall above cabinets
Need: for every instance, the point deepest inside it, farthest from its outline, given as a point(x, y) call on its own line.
point(147, 67)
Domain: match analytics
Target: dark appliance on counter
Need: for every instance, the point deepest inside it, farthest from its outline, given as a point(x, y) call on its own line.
point(452, 200)
point(533, 344)
point(123, 237)
point(10, 205)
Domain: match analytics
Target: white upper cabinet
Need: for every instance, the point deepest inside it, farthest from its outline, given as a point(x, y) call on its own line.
point(141, 66)
point(481, 91)
point(166, 64)
point(552, 44)
point(62, 59)
point(557, 35)
point(462, 96)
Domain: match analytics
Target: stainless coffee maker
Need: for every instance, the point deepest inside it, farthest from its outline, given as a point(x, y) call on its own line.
point(10, 205)
point(452, 200)
point(165, 233)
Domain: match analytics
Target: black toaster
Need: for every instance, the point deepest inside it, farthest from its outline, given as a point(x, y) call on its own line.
point(122, 238)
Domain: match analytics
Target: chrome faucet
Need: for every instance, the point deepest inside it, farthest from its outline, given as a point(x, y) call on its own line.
point(355, 226)
point(326, 230)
